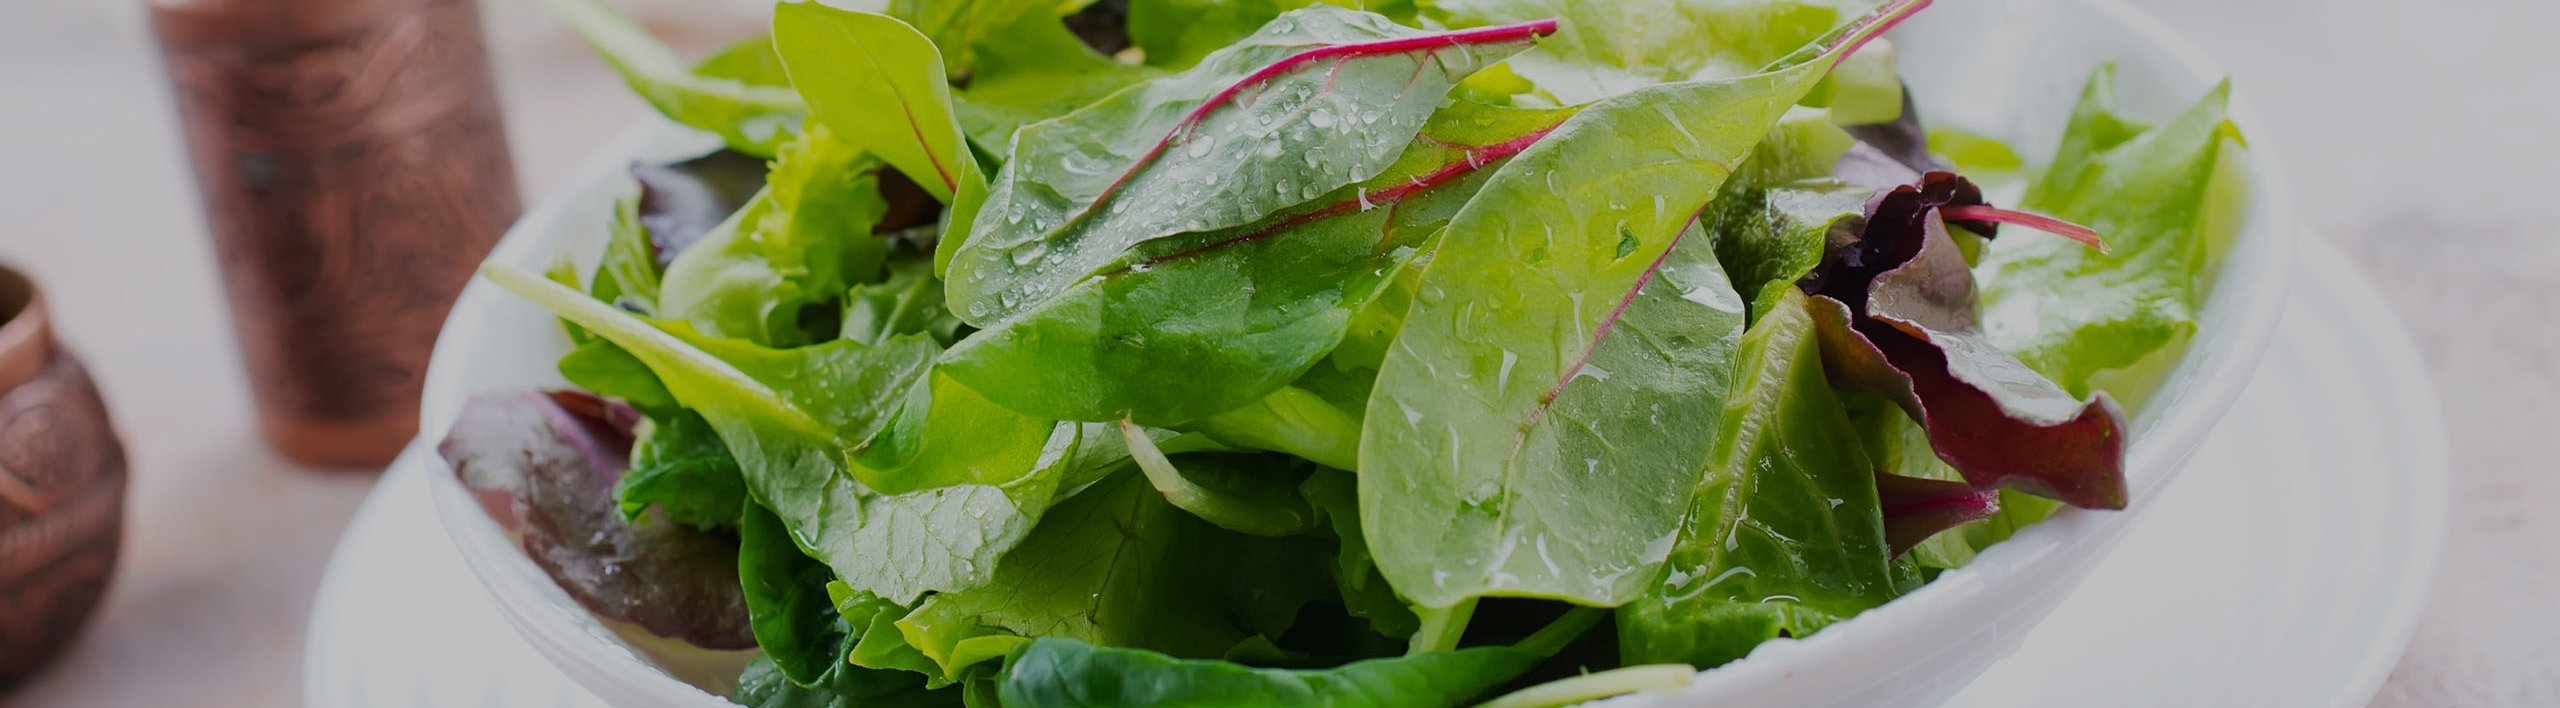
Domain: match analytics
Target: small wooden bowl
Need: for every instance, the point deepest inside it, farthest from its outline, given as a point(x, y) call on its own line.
point(62, 480)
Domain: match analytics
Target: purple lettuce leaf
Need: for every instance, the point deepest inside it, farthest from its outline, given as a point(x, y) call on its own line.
point(1899, 319)
point(681, 201)
point(544, 464)
point(1916, 508)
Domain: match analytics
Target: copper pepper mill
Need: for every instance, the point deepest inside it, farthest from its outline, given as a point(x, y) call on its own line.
point(353, 171)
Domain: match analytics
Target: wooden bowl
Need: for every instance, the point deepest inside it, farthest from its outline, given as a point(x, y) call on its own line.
point(62, 479)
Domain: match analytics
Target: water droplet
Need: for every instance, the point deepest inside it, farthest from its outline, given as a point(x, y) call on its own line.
point(1283, 25)
point(1321, 117)
point(1200, 146)
point(1271, 149)
point(1310, 192)
point(1013, 217)
point(1282, 187)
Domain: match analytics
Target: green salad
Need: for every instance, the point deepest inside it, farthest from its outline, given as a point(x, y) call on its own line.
point(1325, 352)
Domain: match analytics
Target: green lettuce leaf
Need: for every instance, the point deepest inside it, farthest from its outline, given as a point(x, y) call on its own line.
point(735, 94)
point(794, 248)
point(681, 468)
point(2139, 296)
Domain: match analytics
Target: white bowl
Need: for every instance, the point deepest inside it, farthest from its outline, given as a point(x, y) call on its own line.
point(2009, 69)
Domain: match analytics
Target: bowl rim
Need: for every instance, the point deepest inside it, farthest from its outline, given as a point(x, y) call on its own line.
point(2154, 458)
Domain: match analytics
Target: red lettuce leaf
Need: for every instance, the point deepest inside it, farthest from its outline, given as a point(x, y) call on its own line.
point(1898, 317)
point(681, 201)
point(545, 464)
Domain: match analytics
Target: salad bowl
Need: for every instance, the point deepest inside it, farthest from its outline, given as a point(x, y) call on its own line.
point(1997, 68)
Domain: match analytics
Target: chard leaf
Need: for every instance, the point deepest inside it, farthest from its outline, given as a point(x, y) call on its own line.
point(798, 244)
point(681, 468)
point(2139, 296)
point(1611, 47)
point(544, 464)
point(1067, 673)
point(879, 83)
point(1032, 71)
point(733, 95)
point(1572, 335)
point(1783, 535)
point(1244, 310)
point(1897, 314)
point(682, 202)
point(1220, 146)
point(853, 446)
point(1918, 508)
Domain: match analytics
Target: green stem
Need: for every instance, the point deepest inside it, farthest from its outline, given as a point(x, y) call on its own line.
point(1592, 687)
point(1239, 515)
point(1441, 627)
point(1548, 641)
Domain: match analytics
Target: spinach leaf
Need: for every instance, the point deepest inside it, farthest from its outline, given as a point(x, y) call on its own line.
point(795, 622)
point(681, 468)
point(1243, 310)
point(1783, 535)
point(2139, 296)
point(545, 464)
point(1064, 673)
point(603, 369)
point(879, 83)
point(796, 246)
point(1031, 71)
point(733, 95)
point(1295, 421)
point(831, 437)
point(1539, 422)
point(1610, 48)
point(1318, 100)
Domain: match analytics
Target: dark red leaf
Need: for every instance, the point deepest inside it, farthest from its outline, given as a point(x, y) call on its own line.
point(1916, 509)
point(545, 464)
point(681, 201)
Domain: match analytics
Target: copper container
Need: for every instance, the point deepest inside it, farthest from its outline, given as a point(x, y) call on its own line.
point(353, 170)
point(62, 478)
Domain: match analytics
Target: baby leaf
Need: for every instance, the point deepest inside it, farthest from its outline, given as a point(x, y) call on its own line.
point(545, 465)
point(1897, 313)
point(798, 244)
point(1066, 673)
point(880, 83)
point(1222, 145)
point(2140, 294)
point(1244, 310)
point(1783, 535)
point(1032, 71)
point(1538, 424)
point(830, 437)
point(1610, 47)
point(732, 95)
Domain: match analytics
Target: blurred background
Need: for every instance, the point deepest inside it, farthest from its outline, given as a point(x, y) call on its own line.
point(2419, 137)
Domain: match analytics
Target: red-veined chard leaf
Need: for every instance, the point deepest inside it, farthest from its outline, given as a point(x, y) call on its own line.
point(879, 82)
point(899, 479)
point(735, 94)
point(1243, 310)
point(1538, 424)
point(1609, 47)
point(545, 465)
point(1899, 320)
point(2139, 296)
point(1317, 100)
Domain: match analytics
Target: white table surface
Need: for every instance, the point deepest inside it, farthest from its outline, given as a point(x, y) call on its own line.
point(2419, 136)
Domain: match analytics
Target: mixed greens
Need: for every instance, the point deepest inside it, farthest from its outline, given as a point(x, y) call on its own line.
point(1276, 352)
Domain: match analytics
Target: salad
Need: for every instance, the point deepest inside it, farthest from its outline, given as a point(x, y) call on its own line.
point(1275, 352)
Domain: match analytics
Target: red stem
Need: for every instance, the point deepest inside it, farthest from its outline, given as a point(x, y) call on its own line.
point(1433, 42)
point(1983, 212)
